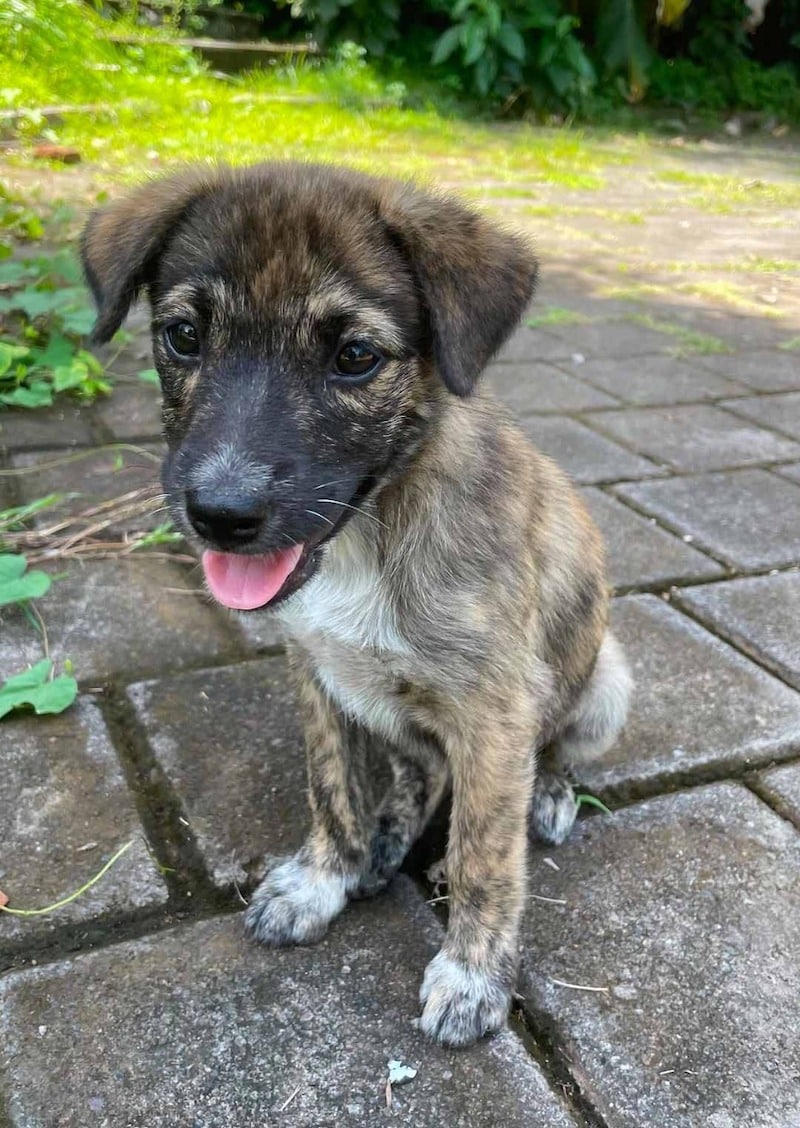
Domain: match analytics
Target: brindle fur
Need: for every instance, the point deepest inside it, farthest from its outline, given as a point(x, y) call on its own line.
point(460, 605)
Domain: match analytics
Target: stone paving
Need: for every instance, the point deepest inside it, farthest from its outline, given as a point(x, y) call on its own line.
point(661, 948)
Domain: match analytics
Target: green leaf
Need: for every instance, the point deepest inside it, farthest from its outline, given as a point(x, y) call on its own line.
point(30, 586)
point(10, 353)
point(476, 37)
point(57, 351)
point(35, 395)
point(621, 41)
point(32, 689)
point(444, 47)
point(584, 800)
point(512, 42)
point(12, 566)
point(148, 375)
point(69, 376)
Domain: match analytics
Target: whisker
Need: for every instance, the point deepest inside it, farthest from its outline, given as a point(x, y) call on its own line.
point(322, 517)
point(346, 505)
point(335, 482)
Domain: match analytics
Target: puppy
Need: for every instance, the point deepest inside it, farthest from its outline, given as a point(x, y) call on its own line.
point(319, 335)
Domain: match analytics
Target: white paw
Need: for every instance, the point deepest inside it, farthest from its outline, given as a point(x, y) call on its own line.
point(460, 1003)
point(294, 904)
point(553, 808)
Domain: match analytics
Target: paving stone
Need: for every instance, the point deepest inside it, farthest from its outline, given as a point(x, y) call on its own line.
point(698, 703)
point(527, 346)
point(132, 411)
point(587, 456)
point(764, 370)
point(231, 745)
point(610, 339)
point(792, 471)
point(532, 388)
point(657, 380)
point(261, 629)
point(695, 437)
point(131, 615)
point(639, 552)
point(782, 787)
point(100, 475)
point(685, 912)
point(760, 615)
point(781, 412)
point(235, 1036)
point(64, 810)
point(46, 427)
point(748, 518)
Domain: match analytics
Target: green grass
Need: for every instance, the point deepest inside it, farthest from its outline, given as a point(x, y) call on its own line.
point(724, 195)
point(687, 340)
point(555, 315)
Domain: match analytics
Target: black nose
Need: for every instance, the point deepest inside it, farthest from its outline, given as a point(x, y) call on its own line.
point(229, 518)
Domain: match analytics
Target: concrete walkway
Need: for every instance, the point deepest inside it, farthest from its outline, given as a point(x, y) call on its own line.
point(661, 967)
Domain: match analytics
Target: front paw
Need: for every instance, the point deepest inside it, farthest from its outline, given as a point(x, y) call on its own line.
point(461, 1003)
point(294, 904)
point(553, 808)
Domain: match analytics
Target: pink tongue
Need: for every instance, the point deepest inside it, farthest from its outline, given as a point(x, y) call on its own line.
point(247, 582)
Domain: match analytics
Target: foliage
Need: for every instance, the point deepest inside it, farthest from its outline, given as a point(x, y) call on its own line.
point(36, 687)
point(44, 313)
point(60, 50)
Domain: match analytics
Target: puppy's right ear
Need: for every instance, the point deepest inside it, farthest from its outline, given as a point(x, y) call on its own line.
point(121, 244)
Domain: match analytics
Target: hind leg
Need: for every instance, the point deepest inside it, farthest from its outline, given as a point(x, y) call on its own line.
point(589, 731)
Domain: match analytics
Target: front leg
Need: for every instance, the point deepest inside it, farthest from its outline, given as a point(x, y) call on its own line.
point(467, 987)
point(301, 895)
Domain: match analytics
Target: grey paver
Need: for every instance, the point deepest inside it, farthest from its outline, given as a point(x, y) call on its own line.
point(782, 787)
point(697, 704)
point(610, 338)
point(657, 379)
point(230, 744)
point(527, 346)
point(133, 411)
point(122, 615)
point(760, 614)
point(792, 471)
point(685, 912)
point(62, 426)
point(695, 437)
point(98, 476)
point(640, 553)
point(199, 1027)
point(64, 810)
point(781, 412)
point(532, 388)
point(748, 518)
point(764, 370)
point(587, 456)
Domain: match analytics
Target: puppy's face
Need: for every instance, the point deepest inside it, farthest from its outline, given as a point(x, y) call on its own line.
point(307, 326)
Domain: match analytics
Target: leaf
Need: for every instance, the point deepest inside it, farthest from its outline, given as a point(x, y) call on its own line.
point(148, 375)
point(621, 41)
point(32, 689)
point(512, 42)
point(35, 395)
point(12, 566)
point(31, 586)
point(444, 46)
point(10, 353)
point(69, 376)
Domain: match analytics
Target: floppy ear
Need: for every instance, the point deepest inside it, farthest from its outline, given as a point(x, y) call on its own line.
point(121, 243)
point(476, 279)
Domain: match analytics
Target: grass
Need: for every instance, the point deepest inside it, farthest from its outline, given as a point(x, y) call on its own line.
point(713, 291)
point(555, 315)
point(724, 195)
point(687, 340)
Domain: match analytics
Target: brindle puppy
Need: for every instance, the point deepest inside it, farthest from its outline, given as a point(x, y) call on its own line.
point(319, 336)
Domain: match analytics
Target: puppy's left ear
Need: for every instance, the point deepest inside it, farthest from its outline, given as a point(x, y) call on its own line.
point(121, 243)
point(476, 279)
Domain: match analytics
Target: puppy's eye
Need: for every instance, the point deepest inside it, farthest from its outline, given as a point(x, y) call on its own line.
point(182, 340)
point(356, 361)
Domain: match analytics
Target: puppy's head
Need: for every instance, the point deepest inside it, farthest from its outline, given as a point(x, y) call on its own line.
point(308, 326)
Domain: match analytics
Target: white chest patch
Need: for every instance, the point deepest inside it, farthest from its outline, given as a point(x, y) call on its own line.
point(347, 600)
point(345, 619)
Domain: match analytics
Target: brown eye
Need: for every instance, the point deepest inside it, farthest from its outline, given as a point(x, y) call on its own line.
point(182, 340)
point(357, 361)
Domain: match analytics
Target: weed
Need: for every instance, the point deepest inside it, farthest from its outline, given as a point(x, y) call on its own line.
point(689, 340)
point(555, 315)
